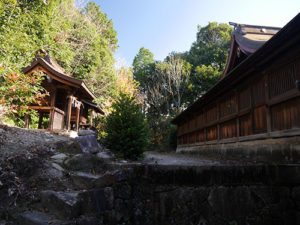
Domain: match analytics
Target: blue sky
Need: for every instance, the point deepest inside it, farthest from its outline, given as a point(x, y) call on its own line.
point(164, 26)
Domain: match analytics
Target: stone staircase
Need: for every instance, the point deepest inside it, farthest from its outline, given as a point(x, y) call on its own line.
point(89, 200)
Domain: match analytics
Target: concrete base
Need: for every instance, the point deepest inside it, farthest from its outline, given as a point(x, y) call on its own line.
point(277, 150)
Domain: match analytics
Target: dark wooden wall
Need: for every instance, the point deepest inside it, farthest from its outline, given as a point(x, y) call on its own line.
point(264, 104)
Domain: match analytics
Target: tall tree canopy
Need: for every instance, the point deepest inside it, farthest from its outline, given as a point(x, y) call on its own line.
point(142, 66)
point(81, 40)
point(173, 84)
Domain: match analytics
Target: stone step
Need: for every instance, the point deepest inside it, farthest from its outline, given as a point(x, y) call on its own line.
point(61, 204)
point(85, 180)
point(39, 218)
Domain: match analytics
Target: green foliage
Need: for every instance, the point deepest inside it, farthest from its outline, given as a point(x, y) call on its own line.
point(211, 47)
point(81, 40)
point(143, 66)
point(170, 86)
point(126, 129)
point(18, 90)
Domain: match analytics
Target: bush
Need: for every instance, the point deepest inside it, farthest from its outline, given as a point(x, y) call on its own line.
point(126, 128)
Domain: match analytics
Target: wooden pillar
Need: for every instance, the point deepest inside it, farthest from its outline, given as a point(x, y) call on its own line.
point(69, 111)
point(53, 97)
point(27, 121)
point(77, 118)
point(51, 119)
point(91, 117)
point(41, 116)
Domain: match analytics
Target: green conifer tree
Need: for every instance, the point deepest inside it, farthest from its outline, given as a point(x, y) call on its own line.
point(126, 128)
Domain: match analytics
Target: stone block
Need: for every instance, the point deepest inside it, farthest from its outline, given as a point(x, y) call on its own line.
point(38, 218)
point(88, 144)
point(62, 204)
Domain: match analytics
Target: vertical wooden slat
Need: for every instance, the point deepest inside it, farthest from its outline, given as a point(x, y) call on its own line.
point(268, 110)
point(237, 110)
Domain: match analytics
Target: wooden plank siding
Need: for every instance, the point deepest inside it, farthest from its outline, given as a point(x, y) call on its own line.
point(265, 102)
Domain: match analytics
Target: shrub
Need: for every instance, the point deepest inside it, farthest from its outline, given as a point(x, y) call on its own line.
point(126, 128)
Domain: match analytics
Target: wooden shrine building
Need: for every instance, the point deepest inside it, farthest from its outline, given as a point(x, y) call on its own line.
point(69, 103)
point(257, 98)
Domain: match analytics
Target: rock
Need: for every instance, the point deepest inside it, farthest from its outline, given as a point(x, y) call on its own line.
point(59, 158)
point(89, 221)
point(84, 162)
point(87, 133)
point(123, 191)
point(109, 194)
point(84, 180)
point(88, 181)
point(1, 131)
point(241, 203)
point(58, 167)
point(106, 156)
point(54, 171)
point(67, 146)
point(37, 218)
point(62, 204)
point(88, 144)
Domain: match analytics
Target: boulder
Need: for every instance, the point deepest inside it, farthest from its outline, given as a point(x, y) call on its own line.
point(89, 181)
point(87, 133)
point(88, 144)
point(106, 156)
point(84, 162)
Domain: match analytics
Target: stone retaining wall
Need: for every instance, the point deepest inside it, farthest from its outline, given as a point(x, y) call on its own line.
point(214, 195)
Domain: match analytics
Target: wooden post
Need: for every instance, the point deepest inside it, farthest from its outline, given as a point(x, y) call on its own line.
point(91, 117)
point(53, 97)
point(41, 116)
point(27, 120)
point(51, 119)
point(69, 111)
point(77, 118)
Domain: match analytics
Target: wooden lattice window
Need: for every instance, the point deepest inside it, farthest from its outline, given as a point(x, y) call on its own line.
point(282, 80)
point(228, 129)
point(212, 133)
point(228, 106)
point(200, 120)
point(244, 99)
point(258, 92)
point(212, 114)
